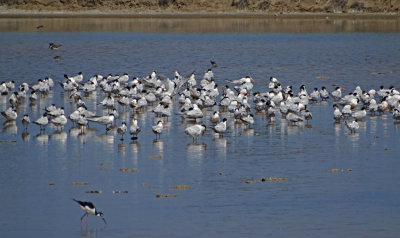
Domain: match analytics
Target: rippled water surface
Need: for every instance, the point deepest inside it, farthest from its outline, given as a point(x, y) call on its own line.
point(37, 170)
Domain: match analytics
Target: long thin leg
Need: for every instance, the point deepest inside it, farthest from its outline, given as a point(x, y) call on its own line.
point(85, 214)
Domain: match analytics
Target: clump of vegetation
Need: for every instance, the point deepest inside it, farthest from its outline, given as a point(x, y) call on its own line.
point(166, 3)
point(263, 5)
point(358, 6)
point(240, 4)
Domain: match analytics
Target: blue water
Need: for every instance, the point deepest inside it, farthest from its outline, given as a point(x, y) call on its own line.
point(313, 202)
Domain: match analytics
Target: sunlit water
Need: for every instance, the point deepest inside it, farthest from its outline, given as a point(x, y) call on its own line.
point(361, 199)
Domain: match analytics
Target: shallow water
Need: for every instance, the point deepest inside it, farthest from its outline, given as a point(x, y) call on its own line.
point(313, 202)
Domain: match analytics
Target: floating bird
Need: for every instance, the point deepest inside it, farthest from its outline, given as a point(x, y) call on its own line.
point(89, 208)
point(53, 46)
point(213, 64)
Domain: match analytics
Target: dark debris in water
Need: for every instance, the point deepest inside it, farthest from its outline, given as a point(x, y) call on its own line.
point(127, 170)
point(149, 186)
point(154, 157)
point(8, 141)
point(270, 179)
point(166, 195)
point(93, 191)
point(183, 187)
point(79, 183)
point(336, 170)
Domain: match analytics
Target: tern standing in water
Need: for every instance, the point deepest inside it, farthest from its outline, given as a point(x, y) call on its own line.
point(195, 131)
point(122, 129)
point(157, 129)
point(352, 126)
point(134, 130)
point(220, 128)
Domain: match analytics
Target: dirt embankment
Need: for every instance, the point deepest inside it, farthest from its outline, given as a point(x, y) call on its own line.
point(189, 6)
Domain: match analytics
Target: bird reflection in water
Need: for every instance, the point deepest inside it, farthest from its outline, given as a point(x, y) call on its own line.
point(74, 131)
point(196, 147)
point(337, 128)
point(354, 137)
point(293, 129)
point(363, 125)
point(89, 133)
point(33, 106)
point(25, 136)
point(196, 151)
point(158, 145)
point(59, 136)
point(248, 132)
point(122, 148)
point(221, 144)
point(42, 139)
point(134, 145)
point(86, 233)
point(10, 127)
point(124, 116)
point(107, 139)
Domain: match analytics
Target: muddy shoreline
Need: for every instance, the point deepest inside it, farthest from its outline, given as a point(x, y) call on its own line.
point(200, 8)
point(171, 14)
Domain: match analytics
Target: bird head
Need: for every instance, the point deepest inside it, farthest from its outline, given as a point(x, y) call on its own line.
point(100, 214)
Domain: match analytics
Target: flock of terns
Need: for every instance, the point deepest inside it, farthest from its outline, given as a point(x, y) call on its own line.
point(238, 99)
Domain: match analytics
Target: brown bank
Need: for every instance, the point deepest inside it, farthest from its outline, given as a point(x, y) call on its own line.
point(202, 6)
